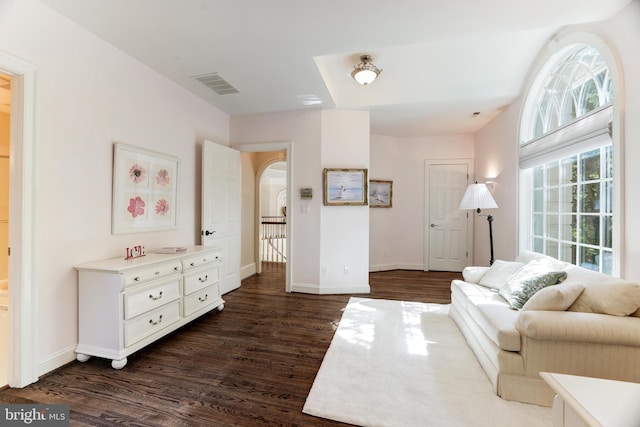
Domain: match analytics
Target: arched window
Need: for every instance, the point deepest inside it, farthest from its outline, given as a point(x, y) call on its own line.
point(567, 162)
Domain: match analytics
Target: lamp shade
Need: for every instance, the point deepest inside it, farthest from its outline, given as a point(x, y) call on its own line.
point(365, 72)
point(477, 196)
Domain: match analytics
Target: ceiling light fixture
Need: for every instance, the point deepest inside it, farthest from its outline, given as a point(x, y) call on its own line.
point(365, 72)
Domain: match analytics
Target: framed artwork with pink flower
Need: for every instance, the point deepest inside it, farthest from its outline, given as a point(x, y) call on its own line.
point(145, 190)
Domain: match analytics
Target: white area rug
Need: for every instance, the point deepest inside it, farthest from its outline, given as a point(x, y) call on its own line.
point(394, 363)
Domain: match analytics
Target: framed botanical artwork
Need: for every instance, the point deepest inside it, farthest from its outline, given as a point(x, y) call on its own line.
point(380, 193)
point(145, 190)
point(345, 187)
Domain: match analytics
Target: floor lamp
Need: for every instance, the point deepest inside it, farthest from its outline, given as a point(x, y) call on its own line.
point(479, 197)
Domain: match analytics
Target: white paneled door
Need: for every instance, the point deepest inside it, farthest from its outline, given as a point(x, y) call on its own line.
point(221, 192)
point(447, 225)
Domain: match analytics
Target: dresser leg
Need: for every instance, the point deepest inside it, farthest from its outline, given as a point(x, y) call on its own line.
point(118, 364)
point(82, 357)
point(220, 307)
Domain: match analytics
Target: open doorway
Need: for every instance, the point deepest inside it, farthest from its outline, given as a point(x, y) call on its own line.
point(273, 215)
point(257, 158)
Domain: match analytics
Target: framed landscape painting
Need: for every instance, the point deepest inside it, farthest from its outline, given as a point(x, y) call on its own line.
point(345, 187)
point(380, 194)
point(145, 190)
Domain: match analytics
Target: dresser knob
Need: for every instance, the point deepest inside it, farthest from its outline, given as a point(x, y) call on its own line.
point(137, 278)
point(151, 297)
point(155, 323)
point(206, 277)
point(203, 299)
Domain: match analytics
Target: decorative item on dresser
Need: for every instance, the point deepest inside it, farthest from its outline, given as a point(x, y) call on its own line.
point(125, 305)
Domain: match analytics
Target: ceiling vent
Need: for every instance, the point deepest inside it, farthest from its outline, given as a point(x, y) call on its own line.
point(216, 83)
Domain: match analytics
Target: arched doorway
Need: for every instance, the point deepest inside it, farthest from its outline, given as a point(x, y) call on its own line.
point(272, 210)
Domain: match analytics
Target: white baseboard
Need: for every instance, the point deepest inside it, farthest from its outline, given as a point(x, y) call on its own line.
point(389, 267)
point(333, 290)
point(247, 271)
point(57, 360)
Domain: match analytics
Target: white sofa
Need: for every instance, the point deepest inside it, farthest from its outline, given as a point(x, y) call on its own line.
point(588, 325)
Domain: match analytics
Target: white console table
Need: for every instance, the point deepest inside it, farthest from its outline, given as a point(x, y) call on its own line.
point(593, 402)
point(125, 305)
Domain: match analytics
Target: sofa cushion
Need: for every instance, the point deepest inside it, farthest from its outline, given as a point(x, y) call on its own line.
point(603, 294)
point(521, 287)
point(498, 322)
point(499, 273)
point(489, 311)
point(554, 298)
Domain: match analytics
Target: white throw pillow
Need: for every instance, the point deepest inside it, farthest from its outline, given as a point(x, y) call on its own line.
point(554, 298)
point(473, 274)
point(499, 273)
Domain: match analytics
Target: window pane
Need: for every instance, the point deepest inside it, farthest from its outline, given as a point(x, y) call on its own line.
point(570, 170)
point(590, 230)
point(569, 199)
point(608, 161)
point(568, 227)
point(607, 232)
point(538, 177)
point(538, 200)
point(553, 174)
point(553, 199)
point(552, 248)
point(589, 258)
point(590, 198)
point(608, 197)
point(538, 225)
point(538, 245)
point(607, 262)
point(567, 253)
point(552, 226)
point(590, 165)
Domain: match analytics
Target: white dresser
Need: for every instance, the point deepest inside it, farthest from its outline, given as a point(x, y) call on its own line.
point(124, 305)
point(593, 402)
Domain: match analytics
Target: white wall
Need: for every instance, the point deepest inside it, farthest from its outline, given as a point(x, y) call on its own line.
point(396, 233)
point(248, 209)
point(90, 95)
point(497, 141)
point(344, 241)
point(320, 138)
point(302, 128)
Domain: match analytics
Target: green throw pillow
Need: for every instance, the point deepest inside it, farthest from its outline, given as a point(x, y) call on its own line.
point(517, 291)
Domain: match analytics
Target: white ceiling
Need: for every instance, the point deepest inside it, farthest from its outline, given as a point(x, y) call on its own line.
point(441, 60)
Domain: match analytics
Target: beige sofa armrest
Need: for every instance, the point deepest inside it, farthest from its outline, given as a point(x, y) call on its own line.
point(579, 327)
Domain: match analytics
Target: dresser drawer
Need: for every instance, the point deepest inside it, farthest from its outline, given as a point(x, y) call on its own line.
point(149, 323)
point(201, 279)
point(201, 299)
point(189, 263)
point(141, 275)
point(152, 296)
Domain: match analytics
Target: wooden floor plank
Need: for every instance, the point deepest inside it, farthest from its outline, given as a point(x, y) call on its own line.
point(251, 364)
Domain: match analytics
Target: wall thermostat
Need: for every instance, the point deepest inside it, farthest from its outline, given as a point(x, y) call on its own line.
point(306, 193)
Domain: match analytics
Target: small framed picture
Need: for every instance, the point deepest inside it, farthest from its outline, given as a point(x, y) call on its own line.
point(145, 190)
point(380, 193)
point(345, 187)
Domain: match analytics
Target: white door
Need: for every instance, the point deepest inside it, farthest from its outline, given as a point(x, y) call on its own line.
point(446, 223)
point(221, 192)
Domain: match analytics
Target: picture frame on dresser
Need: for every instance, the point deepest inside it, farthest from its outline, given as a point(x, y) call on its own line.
point(145, 190)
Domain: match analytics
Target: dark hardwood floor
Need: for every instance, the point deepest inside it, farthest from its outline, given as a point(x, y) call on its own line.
point(251, 364)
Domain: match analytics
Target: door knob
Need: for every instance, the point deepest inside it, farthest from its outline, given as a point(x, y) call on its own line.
point(434, 225)
point(209, 233)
